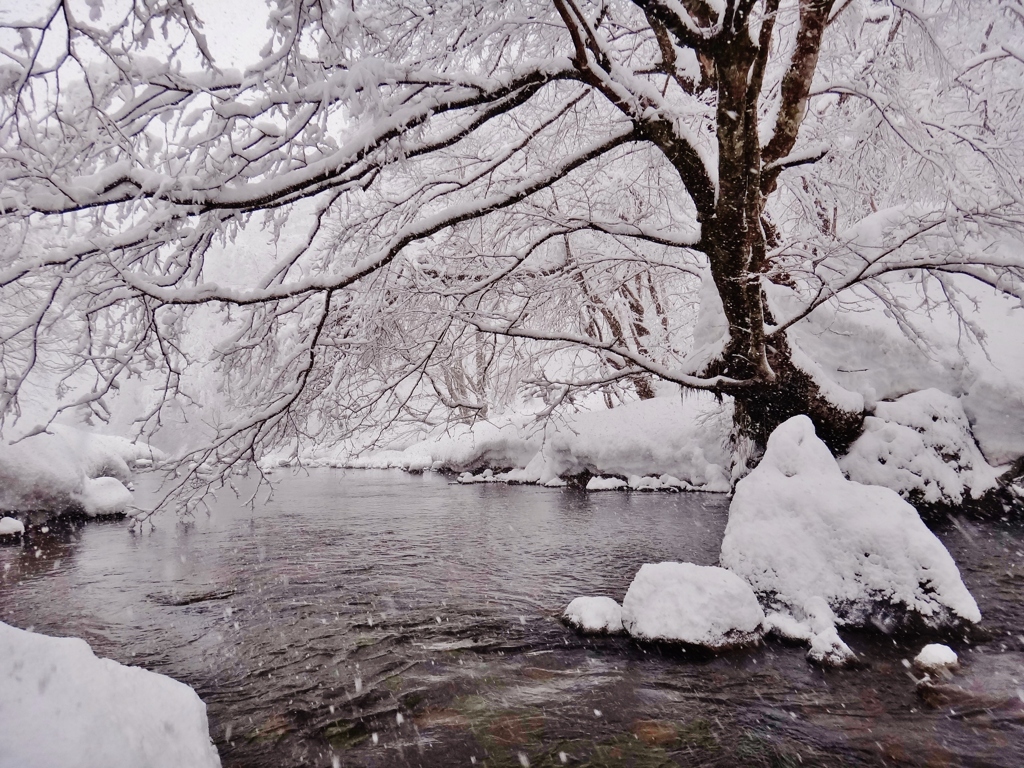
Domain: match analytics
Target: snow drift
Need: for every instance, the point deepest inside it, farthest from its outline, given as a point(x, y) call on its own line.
point(798, 529)
point(60, 705)
point(692, 604)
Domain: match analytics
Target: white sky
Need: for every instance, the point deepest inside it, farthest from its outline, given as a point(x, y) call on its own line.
point(235, 29)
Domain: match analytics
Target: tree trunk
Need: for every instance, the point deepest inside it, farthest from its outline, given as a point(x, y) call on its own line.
point(733, 237)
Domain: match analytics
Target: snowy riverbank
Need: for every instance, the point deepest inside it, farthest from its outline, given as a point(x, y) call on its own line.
point(60, 705)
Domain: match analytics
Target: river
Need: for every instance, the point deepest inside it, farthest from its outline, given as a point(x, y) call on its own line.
point(365, 618)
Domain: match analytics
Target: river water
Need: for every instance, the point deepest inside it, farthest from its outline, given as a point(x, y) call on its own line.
point(382, 619)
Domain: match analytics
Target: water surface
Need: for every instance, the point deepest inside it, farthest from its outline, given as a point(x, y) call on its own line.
point(381, 619)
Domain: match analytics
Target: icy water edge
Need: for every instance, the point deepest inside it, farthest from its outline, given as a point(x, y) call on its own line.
point(382, 619)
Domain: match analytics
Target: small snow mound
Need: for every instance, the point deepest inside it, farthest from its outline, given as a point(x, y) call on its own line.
point(594, 614)
point(61, 705)
point(692, 604)
point(936, 657)
point(798, 529)
point(104, 496)
point(605, 483)
point(921, 446)
point(11, 527)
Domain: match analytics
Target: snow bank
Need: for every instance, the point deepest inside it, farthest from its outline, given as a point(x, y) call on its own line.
point(667, 443)
point(866, 350)
point(60, 705)
point(692, 604)
point(921, 446)
point(69, 469)
point(11, 527)
point(460, 447)
point(936, 657)
point(798, 530)
point(684, 440)
point(594, 614)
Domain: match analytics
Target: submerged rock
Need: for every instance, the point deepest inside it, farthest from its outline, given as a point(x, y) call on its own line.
point(600, 615)
point(693, 605)
point(798, 529)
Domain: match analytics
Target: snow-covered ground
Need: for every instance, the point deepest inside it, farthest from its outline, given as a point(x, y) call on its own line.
point(62, 706)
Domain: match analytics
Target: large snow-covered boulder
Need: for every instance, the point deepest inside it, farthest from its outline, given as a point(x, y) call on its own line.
point(692, 604)
point(62, 706)
point(921, 446)
point(594, 614)
point(798, 529)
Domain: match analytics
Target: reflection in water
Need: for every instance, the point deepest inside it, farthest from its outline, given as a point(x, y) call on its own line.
point(390, 619)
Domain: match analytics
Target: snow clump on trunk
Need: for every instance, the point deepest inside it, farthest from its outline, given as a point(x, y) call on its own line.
point(799, 530)
point(693, 605)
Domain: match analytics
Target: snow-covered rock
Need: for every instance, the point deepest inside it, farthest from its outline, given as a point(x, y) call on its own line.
point(692, 604)
point(936, 657)
point(62, 706)
point(11, 527)
point(605, 484)
point(798, 529)
point(594, 614)
point(816, 627)
point(921, 446)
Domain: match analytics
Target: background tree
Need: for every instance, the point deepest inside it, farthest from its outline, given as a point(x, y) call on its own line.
point(537, 192)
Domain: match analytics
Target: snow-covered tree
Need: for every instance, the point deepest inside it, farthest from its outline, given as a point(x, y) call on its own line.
point(470, 195)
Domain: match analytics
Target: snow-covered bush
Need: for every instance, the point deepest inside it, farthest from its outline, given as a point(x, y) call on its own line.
point(692, 604)
point(798, 529)
point(60, 705)
point(594, 614)
point(921, 446)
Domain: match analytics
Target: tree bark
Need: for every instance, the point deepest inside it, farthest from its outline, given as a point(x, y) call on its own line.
point(734, 238)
